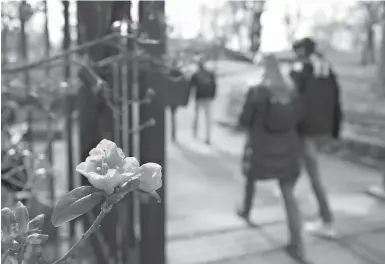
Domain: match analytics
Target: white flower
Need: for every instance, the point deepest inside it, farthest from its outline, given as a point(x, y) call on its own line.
point(150, 177)
point(107, 168)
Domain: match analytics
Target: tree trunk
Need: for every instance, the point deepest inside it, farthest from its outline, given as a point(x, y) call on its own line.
point(368, 52)
point(256, 29)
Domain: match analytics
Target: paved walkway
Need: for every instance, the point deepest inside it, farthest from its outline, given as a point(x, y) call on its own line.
point(205, 185)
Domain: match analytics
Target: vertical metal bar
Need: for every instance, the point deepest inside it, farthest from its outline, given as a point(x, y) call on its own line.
point(135, 124)
point(125, 96)
point(135, 95)
point(24, 55)
point(69, 130)
point(49, 119)
point(50, 132)
point(152, 147)
point(116, 102)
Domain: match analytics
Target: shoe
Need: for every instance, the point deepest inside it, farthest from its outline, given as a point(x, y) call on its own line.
point(245, 216)
point(325, 230)
point(297, 255)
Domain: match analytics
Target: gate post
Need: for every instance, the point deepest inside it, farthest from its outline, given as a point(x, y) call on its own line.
point(95, 117)
point(152, 139)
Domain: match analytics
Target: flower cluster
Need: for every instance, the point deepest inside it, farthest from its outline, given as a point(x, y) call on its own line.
point(17, 229)
point(107, 168)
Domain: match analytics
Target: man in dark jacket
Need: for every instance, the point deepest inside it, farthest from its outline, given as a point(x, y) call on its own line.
point(177, 94)
point(204, 83)
point(321, 116)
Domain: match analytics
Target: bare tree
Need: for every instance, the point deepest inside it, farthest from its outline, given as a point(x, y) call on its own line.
point(245, 23)
point(372, 17)
point(292, 21)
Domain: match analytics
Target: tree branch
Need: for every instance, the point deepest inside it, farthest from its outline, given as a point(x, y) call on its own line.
point(6, 254)
point(105, 209)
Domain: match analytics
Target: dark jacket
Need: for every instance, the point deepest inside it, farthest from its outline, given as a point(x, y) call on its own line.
point(268, 155)
point(177, 89)
point(320, 100)
point(205, 84)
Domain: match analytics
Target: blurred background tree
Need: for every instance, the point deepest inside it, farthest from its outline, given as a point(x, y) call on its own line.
point(234, 23)
point(292, 19)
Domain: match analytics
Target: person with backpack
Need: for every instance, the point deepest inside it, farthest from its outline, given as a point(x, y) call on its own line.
point(320, 99)
point(204, 83)
point(270, 115)
point(177, 94)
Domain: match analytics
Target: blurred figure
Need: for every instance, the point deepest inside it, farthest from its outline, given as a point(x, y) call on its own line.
point(204, 83)
point(319, 92)
point(175, 96)
point(271, 114)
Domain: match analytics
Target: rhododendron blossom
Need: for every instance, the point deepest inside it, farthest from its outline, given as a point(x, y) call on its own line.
point(107, 167)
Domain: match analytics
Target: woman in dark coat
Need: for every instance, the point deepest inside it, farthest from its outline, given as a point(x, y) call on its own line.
point(273, 153)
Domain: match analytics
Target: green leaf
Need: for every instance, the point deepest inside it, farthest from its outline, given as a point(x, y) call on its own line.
point(75, 203)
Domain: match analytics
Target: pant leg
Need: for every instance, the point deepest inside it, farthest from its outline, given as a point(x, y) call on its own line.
point(309, 152)
point(173, 122)
point(249, 195)
point(196, 118)
point(208, 120)
point(293, 214)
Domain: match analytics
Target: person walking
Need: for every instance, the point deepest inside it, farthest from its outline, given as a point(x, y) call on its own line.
point(270, 115)
point(203, 81)
point(177, 95)
point(320, 101)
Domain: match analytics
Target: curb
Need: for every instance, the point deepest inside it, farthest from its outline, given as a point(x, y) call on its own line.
point(361, 151)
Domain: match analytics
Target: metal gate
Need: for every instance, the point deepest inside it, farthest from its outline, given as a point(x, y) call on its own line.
point(107, 84)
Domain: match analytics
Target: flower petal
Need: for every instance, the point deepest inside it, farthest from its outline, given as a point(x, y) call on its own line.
point(96, 152)
point(105, 144)
point(100, 182)
point(130, 164)
point(95, 159)
point(113, 158)
point(121, 153)
point(115, 178)
point(82, 168)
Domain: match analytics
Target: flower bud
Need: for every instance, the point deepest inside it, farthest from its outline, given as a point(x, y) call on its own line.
point(36, 239)
point(22, 217)
point(151, 177)
point(7, 220)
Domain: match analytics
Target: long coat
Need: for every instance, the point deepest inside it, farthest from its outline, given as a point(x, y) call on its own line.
point(268, 155)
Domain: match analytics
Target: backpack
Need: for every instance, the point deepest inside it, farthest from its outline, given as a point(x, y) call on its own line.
point(280, 115)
